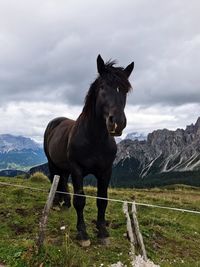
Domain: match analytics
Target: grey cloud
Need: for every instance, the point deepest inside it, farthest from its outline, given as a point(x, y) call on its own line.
point(48, 49)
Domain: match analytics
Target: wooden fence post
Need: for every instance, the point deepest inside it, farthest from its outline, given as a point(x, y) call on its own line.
point(137, 231)
point(45, 213)
point(129, 229)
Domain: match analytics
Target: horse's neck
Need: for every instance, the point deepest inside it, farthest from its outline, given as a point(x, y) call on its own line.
point(94, 127)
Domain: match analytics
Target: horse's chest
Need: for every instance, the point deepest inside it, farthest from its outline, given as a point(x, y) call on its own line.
point(98, 160)
point(92, 156)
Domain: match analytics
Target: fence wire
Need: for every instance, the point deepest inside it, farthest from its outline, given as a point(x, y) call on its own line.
point(108, 199)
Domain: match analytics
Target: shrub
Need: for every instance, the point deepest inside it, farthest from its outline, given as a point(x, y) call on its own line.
point(39, 177)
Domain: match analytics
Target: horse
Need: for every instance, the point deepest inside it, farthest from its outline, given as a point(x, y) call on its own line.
point(87, 145)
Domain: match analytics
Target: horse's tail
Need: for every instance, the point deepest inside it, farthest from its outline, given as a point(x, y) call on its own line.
point(51, 125)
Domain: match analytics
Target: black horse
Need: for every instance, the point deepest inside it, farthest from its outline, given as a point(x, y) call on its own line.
point(87, 146)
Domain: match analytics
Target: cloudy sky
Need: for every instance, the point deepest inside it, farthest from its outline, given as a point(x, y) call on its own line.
point(48, 53)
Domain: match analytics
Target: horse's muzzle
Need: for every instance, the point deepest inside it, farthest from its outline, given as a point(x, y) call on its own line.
point(114, 131)
point(115, 127)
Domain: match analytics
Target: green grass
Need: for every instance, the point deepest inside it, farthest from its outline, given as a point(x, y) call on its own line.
point(171, 238)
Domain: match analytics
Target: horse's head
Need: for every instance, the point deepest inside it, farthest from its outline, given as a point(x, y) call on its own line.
point(113, 86)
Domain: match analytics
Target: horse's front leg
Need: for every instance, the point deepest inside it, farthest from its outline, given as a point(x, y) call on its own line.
point(102, 191)
point(79, 204)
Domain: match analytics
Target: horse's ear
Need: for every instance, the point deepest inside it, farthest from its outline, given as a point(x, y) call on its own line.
point(129, 69)
point(100, 65)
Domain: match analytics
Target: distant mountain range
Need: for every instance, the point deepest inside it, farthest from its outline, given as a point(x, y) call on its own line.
point(18, 152)
point(160, 158)
point(10, 142)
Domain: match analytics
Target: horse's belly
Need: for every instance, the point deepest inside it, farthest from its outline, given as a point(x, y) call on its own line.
point(57, 158)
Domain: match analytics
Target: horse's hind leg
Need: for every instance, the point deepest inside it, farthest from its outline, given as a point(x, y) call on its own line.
point(63, 187)
point(54, 171)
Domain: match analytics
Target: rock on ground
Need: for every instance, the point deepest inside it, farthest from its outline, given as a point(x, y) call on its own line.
point(138, 262)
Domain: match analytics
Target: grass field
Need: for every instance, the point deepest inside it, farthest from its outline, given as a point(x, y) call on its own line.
point(171, 238)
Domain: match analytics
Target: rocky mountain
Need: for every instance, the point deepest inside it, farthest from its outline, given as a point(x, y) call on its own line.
point(10, 142)
point(164, 152)
point(18, 152)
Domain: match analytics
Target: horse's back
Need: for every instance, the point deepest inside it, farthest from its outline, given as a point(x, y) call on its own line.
point(54, 123)
point(56, 139)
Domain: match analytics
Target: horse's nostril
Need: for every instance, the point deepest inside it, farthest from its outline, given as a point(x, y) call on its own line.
point(111, 119)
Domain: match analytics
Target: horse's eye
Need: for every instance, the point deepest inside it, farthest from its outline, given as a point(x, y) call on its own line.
point(118, 90)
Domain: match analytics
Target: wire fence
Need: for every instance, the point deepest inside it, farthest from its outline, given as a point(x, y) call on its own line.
point(108, 199)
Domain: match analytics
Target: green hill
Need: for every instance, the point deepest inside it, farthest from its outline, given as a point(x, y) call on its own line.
point(172, 238)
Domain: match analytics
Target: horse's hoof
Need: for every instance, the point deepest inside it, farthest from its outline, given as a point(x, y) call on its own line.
point(84, 243)
point(105, 241)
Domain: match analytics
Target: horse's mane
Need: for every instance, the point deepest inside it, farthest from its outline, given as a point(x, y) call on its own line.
point(114, 76)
